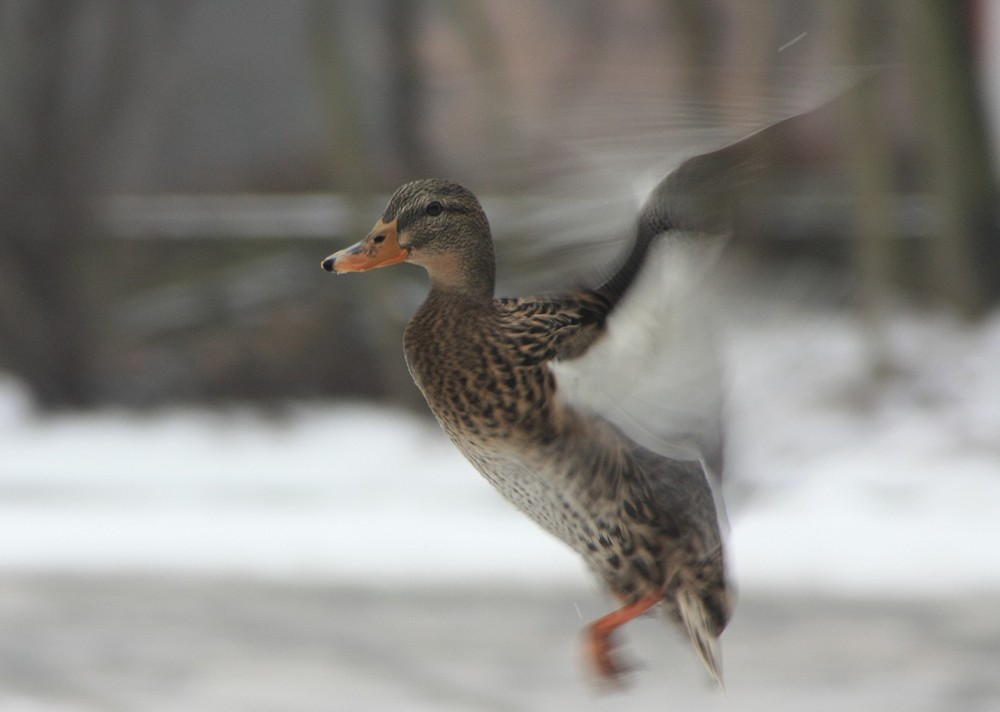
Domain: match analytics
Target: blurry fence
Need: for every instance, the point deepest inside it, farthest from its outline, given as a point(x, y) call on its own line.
point(233, 303)
point(215, 297)
point(320, 216)
point(329, 220)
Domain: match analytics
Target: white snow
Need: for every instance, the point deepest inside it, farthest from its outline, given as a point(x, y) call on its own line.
point(865, 485)
point(837, 482)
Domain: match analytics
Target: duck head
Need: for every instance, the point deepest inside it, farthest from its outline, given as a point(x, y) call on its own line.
point(436, 224)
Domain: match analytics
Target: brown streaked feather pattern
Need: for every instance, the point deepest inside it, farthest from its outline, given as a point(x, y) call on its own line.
point(644, 523)
point(554, 327)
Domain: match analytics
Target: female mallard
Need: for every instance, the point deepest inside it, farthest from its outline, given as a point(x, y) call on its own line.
point(645, 524)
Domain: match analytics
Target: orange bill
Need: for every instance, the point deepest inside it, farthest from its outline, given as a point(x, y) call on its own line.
point(379, 249)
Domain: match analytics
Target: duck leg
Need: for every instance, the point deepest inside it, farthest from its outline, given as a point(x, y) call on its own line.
point(600, 649)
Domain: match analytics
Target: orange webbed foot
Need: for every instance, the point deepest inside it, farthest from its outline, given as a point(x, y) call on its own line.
point(603, 660)
point(600, 648)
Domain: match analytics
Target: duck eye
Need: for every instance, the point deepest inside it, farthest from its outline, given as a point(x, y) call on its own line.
point(434, 208)
point(378, 238)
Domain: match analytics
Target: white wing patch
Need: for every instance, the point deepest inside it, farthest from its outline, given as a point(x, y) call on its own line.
point(656, 374)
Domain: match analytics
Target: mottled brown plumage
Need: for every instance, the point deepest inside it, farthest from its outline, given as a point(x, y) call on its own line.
point(645, 524)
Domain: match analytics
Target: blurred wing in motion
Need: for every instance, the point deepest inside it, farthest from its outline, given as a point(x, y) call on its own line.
point(656, 374)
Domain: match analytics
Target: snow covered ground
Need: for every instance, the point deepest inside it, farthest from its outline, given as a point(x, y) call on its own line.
point(839, 484)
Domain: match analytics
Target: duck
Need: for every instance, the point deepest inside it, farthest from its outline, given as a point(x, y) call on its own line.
point(645, 524)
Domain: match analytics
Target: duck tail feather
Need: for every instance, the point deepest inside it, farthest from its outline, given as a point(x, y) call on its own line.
point(699, 626)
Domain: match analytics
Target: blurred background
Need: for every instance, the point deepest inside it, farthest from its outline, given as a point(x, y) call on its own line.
point(194, 416)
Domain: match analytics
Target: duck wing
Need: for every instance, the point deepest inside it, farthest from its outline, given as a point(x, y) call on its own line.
point(655, 373)
point(565, 326)
point(640, 348)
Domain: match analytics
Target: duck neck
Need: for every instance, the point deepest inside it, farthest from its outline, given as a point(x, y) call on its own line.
point(467, 275)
